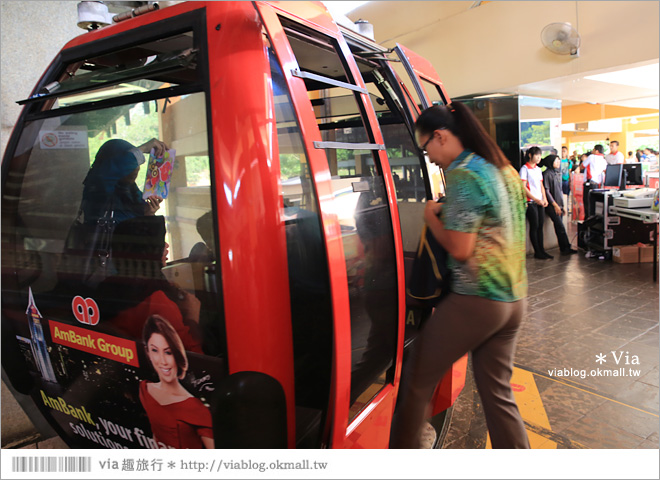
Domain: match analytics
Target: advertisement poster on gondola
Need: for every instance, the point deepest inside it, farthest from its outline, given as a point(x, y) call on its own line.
point(102, 390)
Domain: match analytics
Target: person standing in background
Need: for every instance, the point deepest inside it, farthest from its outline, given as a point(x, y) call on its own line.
point(580, 165)
point(649, 155)
point(631, 157)
point(555, 209)
point(594, 175)
point(615, 156)
point(595, 165)
point(532, 178)
point(565, 168)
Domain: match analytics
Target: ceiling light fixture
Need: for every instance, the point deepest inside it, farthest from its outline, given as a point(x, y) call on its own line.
point(642, 77)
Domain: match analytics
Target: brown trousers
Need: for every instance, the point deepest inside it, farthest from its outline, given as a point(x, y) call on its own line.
point(461, 324)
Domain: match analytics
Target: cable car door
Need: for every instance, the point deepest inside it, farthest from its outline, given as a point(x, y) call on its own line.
point(357, 204)
point(427, 82)
point(430, 90)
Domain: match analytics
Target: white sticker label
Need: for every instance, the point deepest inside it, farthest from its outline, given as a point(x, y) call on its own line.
point(49, 139)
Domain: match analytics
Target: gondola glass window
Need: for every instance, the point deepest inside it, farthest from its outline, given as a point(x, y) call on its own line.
point(361, 206)
point(83, 167)
point(309, 284)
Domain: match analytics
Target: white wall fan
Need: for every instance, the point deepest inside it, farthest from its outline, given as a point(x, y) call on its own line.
point(561, 38)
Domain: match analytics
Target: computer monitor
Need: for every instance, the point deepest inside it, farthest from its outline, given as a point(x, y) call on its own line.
point(632, 174)
point(613, 175)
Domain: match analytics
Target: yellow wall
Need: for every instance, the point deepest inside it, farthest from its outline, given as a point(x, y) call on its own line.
point(585, 112)
point(625, 137)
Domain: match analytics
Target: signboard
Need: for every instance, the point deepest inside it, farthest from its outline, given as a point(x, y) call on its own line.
point(106, 391)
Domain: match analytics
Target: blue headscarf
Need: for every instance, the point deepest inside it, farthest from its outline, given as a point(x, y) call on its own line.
point(115, 159)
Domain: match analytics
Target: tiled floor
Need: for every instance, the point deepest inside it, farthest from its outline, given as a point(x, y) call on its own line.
point(580, 308)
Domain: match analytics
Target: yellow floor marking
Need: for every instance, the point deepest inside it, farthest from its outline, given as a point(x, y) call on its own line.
point(595, 394)
point(531, 408)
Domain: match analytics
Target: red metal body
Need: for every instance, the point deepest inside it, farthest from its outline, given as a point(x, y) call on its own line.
point(253, 244)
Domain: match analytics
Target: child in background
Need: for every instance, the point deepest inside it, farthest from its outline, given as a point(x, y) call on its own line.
point(532, 178)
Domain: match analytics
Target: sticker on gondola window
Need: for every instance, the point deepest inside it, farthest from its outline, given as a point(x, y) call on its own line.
point(63, 139)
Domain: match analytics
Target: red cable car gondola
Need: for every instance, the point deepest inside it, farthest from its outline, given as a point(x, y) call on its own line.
point(293, 193)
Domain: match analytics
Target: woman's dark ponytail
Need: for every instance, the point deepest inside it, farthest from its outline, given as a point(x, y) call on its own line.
point(459, 120)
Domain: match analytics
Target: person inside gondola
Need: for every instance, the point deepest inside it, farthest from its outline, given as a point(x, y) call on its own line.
point(110, 182)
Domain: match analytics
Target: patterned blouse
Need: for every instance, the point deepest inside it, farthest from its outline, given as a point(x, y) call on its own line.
point(490, 202)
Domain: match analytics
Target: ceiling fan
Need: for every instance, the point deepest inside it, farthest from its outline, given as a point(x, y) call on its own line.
point(561, 38)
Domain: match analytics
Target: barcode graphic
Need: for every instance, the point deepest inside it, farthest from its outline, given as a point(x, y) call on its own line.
point(51, 464)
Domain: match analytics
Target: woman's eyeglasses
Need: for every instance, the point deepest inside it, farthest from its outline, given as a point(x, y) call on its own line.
point(423, 147)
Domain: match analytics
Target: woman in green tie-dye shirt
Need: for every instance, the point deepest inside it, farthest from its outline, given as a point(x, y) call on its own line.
point(482, 226)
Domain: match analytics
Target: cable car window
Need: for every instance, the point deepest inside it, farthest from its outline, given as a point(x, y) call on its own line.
point(404, 156)
point(96, 149)
point(108, 228)
point(407, 85)
point(338, 116)
point(361, 205)
point(309, 284)
point(433, 92)
point(366, 226)
point(160, 64)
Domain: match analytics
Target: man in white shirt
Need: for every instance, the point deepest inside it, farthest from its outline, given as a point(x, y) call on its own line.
point(615, 156)
point(595, 165)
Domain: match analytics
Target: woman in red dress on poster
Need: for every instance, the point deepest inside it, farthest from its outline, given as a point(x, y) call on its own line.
point(177, 418)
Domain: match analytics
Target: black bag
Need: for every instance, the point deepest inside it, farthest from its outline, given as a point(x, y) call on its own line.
point(92, 243)
point(429, 276)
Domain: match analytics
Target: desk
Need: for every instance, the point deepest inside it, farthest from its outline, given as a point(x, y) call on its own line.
point(647, 216)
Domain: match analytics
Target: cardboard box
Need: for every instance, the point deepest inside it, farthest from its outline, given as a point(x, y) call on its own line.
point(625, 254)
point(645, 253)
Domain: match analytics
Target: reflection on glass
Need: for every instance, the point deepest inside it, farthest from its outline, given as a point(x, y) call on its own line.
point(48, 203)
point(360, 203)
point(364, 217)
point(309, 285)
point(151, 66)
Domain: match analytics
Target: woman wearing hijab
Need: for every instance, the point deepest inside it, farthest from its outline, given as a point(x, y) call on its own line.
point(555, 210)
point(111, 181)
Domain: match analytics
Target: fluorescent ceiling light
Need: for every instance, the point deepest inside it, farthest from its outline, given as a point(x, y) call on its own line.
point(642, 77)
point(342, 8)
point(610, 125)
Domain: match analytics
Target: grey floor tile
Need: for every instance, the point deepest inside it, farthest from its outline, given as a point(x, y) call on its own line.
point(594, 433)
point(567, 398)
point(626, 327)
point(648, 445)
point(641, 395)
point(641, 424)
point(651, 378)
